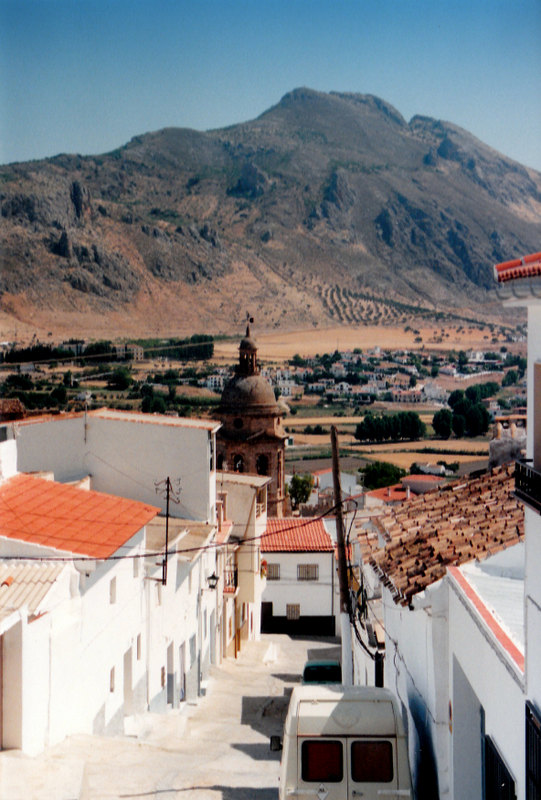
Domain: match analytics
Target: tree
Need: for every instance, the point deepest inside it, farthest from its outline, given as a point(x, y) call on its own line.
point(510, 378)
point(477, 420)
point(300, 489)
point(459, 425)
point(381, 473)
point(442, 423)
point(454, 397)
point(120, 379)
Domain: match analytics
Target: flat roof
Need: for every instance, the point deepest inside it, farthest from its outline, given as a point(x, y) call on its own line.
point(499, 601)
point(244, 478)
point(128, 416)
point(187, 537)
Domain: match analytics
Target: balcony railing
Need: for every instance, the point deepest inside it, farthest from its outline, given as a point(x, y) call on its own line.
point(528, 485)
point(231, 580)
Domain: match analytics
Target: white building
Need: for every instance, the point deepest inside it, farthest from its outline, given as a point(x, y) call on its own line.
point(178, 615)
point(300, 595)
point(462, 610)
point(73, 618)
point(454, 633)
point(127, 454)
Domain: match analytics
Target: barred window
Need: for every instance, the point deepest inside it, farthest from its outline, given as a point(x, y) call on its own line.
point(307, 572)
point(273, 572)
point(293, 611)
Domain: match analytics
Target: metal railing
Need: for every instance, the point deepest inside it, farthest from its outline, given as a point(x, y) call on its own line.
point(231, 579)
point(528, 484)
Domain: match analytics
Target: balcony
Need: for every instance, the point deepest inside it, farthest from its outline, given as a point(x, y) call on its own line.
point(528, 485)
point(231, 580)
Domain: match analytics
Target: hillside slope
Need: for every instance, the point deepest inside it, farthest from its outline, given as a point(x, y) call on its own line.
point(326, 208)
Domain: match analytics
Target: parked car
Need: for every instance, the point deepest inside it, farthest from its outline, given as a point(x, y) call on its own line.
point(322, 672)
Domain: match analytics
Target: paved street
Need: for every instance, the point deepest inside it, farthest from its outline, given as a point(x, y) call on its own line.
point(217, 749)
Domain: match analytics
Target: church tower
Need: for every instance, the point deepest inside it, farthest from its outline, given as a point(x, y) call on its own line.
point(252, 437)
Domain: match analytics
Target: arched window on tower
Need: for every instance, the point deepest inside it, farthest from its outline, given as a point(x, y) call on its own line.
point(238, 463)
point(262, 464)
point(220, 462)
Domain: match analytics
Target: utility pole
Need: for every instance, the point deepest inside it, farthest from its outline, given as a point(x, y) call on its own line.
point(170, 494)
point(345, 599)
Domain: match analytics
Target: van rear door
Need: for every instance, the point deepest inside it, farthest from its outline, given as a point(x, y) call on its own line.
point(347, 768)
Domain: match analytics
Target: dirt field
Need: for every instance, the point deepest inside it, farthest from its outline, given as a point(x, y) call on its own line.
point(281, 346)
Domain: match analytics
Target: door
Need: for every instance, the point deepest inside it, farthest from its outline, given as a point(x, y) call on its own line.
point(128, 682)
point(345, 768)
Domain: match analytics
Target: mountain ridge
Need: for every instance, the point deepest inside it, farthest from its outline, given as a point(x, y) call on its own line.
point(332, 202)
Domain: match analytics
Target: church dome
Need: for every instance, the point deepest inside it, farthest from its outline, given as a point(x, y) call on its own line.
point(248, 394)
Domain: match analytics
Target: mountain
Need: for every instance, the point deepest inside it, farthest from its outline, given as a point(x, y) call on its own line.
point(327, 208)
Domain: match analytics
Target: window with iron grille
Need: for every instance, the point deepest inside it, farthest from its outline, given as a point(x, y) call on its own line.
point(273, 572)
point(307, 572)
point(499, 783)
point(293, 611)
point(533, 753)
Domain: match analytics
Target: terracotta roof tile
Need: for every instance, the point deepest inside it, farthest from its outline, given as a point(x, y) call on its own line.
point(526, 267)
point(66, 518)
point(296, 534)
point(460, 522)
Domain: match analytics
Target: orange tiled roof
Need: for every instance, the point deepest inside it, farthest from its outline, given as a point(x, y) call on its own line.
point(296, 535)
point(526, 267)
point(65, 518)
point(451, 525)
point(390, 494)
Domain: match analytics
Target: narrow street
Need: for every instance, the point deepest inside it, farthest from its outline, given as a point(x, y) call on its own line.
point(217, 749)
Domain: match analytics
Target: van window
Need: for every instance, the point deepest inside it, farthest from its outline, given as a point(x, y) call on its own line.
point(322, 760)
point(371, 762)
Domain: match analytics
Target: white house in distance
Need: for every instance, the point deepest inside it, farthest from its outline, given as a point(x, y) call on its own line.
point(301, 591)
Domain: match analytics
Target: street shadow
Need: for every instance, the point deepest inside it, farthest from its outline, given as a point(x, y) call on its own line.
point(265, 714)
point(288, 677)
point(226, 793)
point(259, 752)
point(331, 653)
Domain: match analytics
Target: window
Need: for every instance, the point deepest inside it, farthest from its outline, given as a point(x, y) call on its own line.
point(112, 591)
point(139, 647)
point(273, 572)
point(499, 783)
point(220, 462)
point(238, 463)
point(135, 567)
point(307, 572)
point(211, 449)
point(371, 762)
point(322, 760)
point(262, 464)
point(293, 611)
point(112, 680)
point(533, 753)
point(162, 677)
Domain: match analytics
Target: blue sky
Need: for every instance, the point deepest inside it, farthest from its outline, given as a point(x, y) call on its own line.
point(84, 76)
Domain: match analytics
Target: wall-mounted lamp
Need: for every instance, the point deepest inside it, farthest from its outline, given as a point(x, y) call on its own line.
point(212, 581)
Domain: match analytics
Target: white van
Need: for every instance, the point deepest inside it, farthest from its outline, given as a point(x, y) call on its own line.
point(343, 742)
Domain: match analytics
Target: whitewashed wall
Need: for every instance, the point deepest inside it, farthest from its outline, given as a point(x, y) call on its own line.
point(316, 598)
point(496, 683)
point(417, 672)
point(126, 457)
